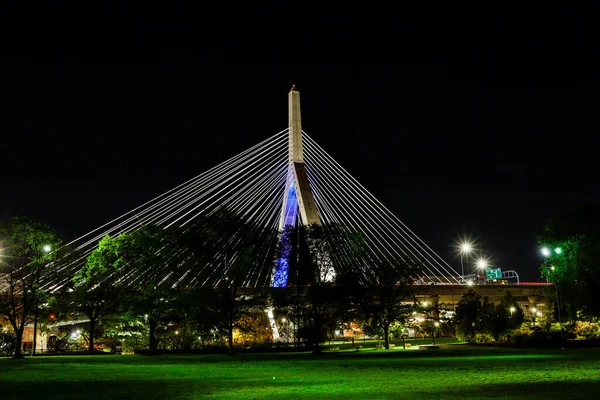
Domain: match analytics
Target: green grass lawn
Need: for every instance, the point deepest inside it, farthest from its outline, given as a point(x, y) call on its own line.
point(447, 373)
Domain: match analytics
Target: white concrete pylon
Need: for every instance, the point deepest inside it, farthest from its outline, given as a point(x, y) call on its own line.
point(306, 202)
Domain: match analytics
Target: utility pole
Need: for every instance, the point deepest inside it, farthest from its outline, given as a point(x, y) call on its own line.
point(46, 249)
point(560, 321)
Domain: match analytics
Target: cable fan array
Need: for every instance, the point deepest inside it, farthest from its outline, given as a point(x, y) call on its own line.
point(254, 184)
point(342, 200)
point(250, 184)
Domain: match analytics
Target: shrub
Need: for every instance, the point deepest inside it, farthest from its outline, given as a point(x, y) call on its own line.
point(7, 341)
point(586, 330)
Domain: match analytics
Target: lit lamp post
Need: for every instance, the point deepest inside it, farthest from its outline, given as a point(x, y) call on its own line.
point(437, 327)
point(512, 310)
point(546, 253)
point(46, 248)
point(482, 264)
point(465, 249)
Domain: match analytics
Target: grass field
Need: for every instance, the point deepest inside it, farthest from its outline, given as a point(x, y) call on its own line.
point(447, 373)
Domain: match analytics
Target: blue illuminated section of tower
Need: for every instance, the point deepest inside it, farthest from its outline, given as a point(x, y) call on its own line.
point(299, 204)
point(291, 211)
point(291, 207)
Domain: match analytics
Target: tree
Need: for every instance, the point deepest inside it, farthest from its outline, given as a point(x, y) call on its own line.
point(128, 268)
point(202, 310)
point(510, 307)
point(327, 254)
point(492, 320)
point(238, 251)
point(572, 239)
point(27, 250)
point(156, 305)
point(475, 315)
point(234, 303)
point(95, 288)
point(146, 255)
point(253, 326)
point(391, 301)
point(467, 313)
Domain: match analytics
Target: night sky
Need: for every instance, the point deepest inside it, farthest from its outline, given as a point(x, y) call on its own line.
point(484, 131)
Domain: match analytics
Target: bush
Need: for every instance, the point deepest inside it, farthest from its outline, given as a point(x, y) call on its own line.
point(586, 330)
point(483, 338)
point(537, 338)
point(133, 344)
point(7, 341)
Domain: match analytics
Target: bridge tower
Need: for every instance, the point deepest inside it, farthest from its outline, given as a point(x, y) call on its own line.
point(298, 195)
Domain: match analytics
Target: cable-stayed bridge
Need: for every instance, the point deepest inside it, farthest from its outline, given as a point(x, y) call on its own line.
point(284, 180)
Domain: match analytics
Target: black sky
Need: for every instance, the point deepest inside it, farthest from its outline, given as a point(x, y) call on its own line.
point(482, 130)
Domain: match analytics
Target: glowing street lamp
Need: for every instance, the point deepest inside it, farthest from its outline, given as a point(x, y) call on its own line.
point(546, 252)
point(465, 249)
point(482, 264)
point(437, 327)
point(512, 310)
point(46, 249)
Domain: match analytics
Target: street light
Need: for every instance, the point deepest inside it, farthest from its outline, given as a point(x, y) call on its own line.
point(437, 327)
point(546, 253)
point(465, 249)
point(512, 310)
point(482, 264)
point(46, 248)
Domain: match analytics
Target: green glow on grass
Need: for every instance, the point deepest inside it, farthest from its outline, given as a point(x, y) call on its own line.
point(436, 374)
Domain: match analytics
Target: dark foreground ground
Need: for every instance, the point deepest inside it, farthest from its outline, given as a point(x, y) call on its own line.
point(446, 373)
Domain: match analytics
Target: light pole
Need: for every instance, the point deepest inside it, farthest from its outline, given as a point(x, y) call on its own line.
point(532, 312)
point(437, 327)
point(465, 249)
point(546, 253)
point(482, 264)
point(512, 310)
point(46, 248)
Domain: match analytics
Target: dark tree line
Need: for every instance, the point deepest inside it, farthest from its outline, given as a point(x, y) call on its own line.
point(197, 277)
point(572, 240)
point(132, 276)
